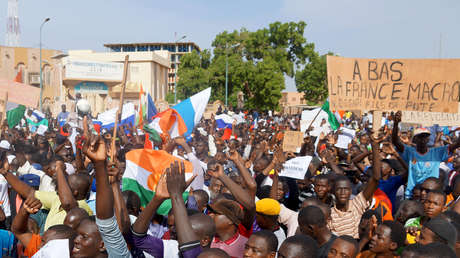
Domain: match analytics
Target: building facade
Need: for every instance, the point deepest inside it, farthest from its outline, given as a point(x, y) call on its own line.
point(175, 49)
point(97, 76)
point(24, 64)
point(292, 102)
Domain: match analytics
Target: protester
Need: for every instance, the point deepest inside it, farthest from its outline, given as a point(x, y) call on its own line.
point(223, 188)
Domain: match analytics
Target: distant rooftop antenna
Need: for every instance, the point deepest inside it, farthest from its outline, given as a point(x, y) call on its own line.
point(12, 24)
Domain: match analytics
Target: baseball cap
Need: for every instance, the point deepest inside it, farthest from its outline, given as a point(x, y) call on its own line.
point(268, 206)
point(421, 130)
point(4, 144)
point(30, 179)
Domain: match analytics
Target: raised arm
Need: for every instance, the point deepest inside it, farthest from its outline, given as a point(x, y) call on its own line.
point(248, 179)
point(373, 182)
point(66, 197)
point(96, 152)
point(198, 171)
point(19, 225)
point(175, 178)
point(394, 135)
point(143, 220)
point(121, 211)
point(241, 195)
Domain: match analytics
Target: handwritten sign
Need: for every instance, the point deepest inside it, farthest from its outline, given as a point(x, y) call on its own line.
point(292, 141)
point(296, 167)
point(20, 93)
point(431, 118)
point(425, 85)
point(345, 137)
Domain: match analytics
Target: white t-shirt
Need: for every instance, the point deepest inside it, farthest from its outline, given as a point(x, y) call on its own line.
point(4, 199)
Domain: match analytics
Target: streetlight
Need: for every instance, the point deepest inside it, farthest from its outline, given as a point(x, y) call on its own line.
point(226, 71)
point(41, 70)
point(175, 69)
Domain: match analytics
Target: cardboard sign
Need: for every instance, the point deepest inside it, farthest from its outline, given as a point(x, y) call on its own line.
point(20, 93)
point(296, 167)
point(425, 85)
point(345, 138)
point(431, 118)
point(292, 141)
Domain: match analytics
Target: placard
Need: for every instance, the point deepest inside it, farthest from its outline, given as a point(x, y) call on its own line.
point(345, 138)
point(425, 85)
point(431, 118)
point(292, 141)
point(296, 167)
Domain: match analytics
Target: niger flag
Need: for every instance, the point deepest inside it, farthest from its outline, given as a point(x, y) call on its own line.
point(143, 171)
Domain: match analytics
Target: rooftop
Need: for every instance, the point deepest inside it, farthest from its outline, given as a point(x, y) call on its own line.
point(112, 45)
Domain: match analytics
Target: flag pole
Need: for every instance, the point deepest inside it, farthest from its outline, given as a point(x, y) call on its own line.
point(317, 114)
point(120, 109)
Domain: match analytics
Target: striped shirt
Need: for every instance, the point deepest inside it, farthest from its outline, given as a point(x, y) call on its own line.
point(346, 223)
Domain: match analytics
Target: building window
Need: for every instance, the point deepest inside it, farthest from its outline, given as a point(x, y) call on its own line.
point(46, 75)
point(142, 48)
point(116, 49)
point(21, 67)
point(155, 47)
point(173, 58)
point(129, 49)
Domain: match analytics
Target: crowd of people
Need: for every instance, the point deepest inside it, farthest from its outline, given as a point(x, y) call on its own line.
point(391, 193)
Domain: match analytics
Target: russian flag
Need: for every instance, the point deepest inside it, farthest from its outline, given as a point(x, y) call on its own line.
point(224, 121)
point(182, 118)
point(106, 120)
point(38, 115)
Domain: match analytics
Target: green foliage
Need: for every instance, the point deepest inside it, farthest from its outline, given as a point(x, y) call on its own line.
point(312, 80)
point(257, 64)
point(193, 73)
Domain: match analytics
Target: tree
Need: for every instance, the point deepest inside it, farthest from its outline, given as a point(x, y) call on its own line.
point(257, 64)
point(312, 80)
point(193, 73)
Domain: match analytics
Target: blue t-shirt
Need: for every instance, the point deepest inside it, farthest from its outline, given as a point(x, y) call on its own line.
point(390, 187)
point(421, 166)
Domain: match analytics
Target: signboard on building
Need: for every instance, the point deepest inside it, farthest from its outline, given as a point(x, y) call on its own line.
point(92, 87)
point(93, 70)
point(424, 85)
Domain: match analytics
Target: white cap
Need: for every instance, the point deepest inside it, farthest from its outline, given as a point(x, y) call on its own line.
point(10, 158)
point(4, 144)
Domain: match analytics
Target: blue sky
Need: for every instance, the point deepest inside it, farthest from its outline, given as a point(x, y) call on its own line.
point(351, 28)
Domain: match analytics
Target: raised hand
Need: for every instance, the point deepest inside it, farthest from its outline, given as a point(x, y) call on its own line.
point(397, 117)
point(175, 178)
point(233, 155)
point(217, 172)
point(114, 173)
point(32, 205)
point(95, 149)
point(161, 190)
point(180, 140)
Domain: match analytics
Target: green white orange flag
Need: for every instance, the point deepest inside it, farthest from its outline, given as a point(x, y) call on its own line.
point(144, 168)
point(331, 117)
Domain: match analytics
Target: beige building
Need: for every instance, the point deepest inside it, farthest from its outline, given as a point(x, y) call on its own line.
point(175, 49)
point(14, 60)
point(97, 76)
point(292, 102)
